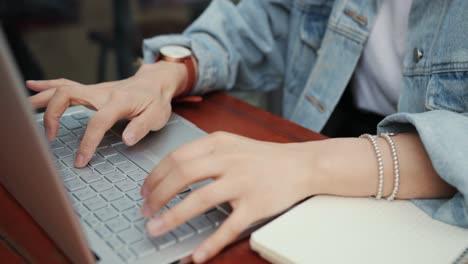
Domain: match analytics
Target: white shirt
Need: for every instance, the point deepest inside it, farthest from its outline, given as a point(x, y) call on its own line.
point(378, 76)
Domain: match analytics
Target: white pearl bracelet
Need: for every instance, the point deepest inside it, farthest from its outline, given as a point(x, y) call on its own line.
point(396, 168)
point(371, 138)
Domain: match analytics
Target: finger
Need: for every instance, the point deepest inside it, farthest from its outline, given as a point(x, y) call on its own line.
point(192, 150)
point(40, 86)
point(151, 119)
point(179, 178)
point(193, 205)
point(57, 105)
point(59, 102)
point(227, 233)
point(42, 99)
point(101, 122)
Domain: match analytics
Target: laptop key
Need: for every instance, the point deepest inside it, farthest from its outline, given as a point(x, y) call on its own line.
point(56, 144)
point(109, 140)
point(104, 168)
point(130, 236)
point(115, 243)
point(69, 161)
point(141, 225)
point(81, 210)
point(133, 214)
point(115, 176)
point(84, 194)
point(74, 185)
point(117, 224)
point(79, 116)
point(60, 166)
point(216, 217)
point(106, 213)
point(74, 145)
point(62, 132)
point(85, 121)
point(183, 195)
point(126, 185)
point(173, 202)
point(123, 204)
point(137, 175)
point(68, 138)
point(183, 232)
point(111, 194)
point(200, 223)
point(103, 231)
point(79, 133)
point(186, 190)
point(79, 171)
point(116, 159)
point(95, 203)
point(107, 151)
point(90, 177)
point(91, 220)
point(70, 123)
point(127, 167)
point(135, 194)
point(101, 185)
point(143, 247)
point(74, 201)
point(62, 152)
point(126, 255)
point(164, 241)
point(67, 175)
point(96, 160)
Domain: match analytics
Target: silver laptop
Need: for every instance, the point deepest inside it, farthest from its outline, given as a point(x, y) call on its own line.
point(93, 214)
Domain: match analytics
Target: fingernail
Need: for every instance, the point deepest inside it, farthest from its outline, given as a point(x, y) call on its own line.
point(130, 138)
point(156, 226)
point(79, 160)
point(199, 256)
point(144, 191)
point(146, 210)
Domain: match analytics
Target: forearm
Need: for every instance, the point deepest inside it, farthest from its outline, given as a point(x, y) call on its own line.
point(348, 167)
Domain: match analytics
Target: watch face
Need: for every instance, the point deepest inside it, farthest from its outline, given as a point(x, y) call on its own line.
point(176, 52)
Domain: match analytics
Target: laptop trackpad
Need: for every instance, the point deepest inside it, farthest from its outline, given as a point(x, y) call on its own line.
point(156, 145)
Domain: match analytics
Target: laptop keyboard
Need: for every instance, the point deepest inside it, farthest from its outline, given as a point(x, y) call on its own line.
point(106, 194)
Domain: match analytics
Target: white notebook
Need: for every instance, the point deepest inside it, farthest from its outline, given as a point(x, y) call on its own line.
point(327, 229)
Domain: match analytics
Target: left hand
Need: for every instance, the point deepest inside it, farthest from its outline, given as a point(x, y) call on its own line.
point(259, 180)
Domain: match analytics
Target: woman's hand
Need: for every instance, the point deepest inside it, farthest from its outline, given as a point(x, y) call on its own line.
point(259, 179)
point(145, 98)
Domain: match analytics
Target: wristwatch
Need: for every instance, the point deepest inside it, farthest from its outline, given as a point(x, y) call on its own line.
point(179, 54)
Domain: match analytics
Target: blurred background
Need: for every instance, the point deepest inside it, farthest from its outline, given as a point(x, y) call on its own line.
point(93, 41)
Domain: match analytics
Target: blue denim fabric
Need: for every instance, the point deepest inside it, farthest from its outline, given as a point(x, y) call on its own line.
point(310, 48)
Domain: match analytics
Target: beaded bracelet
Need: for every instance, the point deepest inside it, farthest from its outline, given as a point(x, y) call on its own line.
point(396, 168)
point(379, 163)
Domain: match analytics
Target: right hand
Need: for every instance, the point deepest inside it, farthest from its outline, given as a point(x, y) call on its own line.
point(144, 98)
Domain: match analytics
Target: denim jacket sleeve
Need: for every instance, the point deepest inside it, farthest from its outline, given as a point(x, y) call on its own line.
point(241, 45)
point(444, 135)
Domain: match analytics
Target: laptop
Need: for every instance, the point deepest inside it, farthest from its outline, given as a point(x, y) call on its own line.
point(93, 213)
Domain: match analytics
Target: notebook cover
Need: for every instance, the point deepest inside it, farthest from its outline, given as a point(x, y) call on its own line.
point(326, 229)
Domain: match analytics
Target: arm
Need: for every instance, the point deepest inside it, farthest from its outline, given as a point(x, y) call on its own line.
point(234, 45)
point(262, 179)
point(349, 168)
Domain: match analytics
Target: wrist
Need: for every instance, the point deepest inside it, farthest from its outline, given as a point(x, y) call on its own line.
point(183, 56)
point(345, 167)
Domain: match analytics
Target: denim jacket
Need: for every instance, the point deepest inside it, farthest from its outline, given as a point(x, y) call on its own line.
point(310, 48)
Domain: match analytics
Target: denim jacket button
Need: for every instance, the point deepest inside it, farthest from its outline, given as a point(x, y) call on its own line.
point(417, 55)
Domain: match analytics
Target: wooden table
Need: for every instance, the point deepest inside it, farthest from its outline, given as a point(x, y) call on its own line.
point(23, 241)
